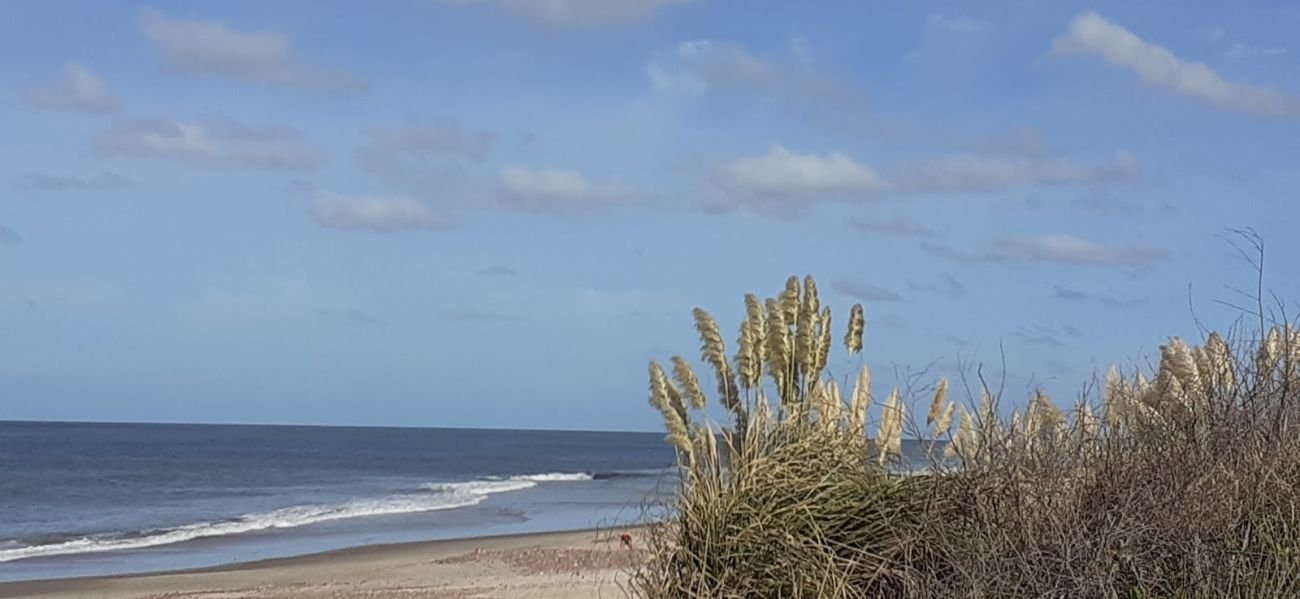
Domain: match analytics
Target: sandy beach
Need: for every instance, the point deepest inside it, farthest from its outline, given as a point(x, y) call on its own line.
point(573, 565)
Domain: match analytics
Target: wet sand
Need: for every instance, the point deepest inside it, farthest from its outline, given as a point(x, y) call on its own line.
point(577, 565)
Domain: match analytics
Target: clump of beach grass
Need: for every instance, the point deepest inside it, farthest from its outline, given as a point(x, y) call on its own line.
point(1180, 481)
point(795, 498)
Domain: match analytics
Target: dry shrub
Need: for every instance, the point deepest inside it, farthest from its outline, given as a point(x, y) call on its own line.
point(1185, 484)
point(1187, 487)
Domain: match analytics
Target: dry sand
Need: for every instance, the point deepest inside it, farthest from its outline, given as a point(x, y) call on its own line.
point(564, 565)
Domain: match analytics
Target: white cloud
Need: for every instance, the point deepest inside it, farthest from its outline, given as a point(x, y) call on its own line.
point(198, 46)
point(555, 191)
point(1090, 33)
point(76, 89)
point(374, 214)
point(1070, 249)
point(783, 181)
point(987, 173)
point(1055, 248)
point(218, 143)
point(48, 182)
point(577, 14)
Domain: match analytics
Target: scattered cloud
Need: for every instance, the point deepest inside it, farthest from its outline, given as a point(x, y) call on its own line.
point(785, 182)
point(901, 226)
point(48, 182)
point(1091, 33)
point(947, 286)
point(990, 173)
point(476, 315)
point(942, 23)
point(9, 236)
point(1109, 301)
point(1105, 202)
point(1057, 249)
point(497, 270)
point(216, 143)
point(424, 157)
point(556, 191)
point(76, 89)
point(374, 214)
point(210, 47)
point(834, 102)
point(696, 68)
point(1248, 51)
point(352, 316)
point(864, 292)
point(442, 138)
point(577, 14)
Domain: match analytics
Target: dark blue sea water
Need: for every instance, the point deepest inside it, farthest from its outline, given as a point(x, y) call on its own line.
point(85, 499)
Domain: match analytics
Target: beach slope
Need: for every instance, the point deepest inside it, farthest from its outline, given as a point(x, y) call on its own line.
point(578, 565)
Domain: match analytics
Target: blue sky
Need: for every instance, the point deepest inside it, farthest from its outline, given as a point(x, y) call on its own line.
point(494, 212)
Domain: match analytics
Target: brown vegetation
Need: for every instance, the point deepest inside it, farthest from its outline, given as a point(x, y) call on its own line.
point(1182, 484)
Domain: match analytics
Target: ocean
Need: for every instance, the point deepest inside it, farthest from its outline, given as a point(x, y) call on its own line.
point(92, 499)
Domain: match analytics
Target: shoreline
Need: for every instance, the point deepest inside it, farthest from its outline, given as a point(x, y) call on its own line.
point(577, 563)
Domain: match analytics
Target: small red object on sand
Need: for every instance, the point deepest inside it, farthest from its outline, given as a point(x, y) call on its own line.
point(625, 540)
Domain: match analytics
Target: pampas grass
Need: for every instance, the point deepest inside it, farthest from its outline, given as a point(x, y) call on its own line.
point(861, 403)
point(714, 352)
point(937, 403)
point(793, 501)
point(889, 437)
point(690, 384)
point(665, 399)
point(1187, 485)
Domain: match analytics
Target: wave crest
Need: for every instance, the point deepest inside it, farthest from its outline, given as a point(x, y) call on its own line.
point(443, 496)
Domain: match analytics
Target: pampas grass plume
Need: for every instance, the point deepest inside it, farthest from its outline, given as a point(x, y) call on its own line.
point(861, 402)
point(823, 342)
point(690, 384)
point(936, 404)
point(857, 324)
point(714, 352)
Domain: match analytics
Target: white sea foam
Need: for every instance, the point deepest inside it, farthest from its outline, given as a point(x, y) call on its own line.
point(480, 488)
point(444, 496)
point(554, 477)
